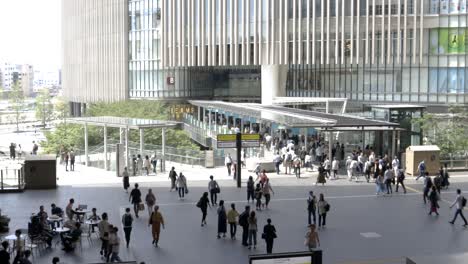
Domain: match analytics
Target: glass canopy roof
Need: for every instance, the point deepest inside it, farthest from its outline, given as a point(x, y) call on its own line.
point(122, 122)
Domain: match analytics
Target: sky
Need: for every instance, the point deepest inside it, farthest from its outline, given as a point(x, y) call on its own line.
point(30, 32)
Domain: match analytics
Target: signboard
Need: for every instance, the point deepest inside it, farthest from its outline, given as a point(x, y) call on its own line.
point(306, 257)
point(170, 80)
point(178, 110)
point(229, 140)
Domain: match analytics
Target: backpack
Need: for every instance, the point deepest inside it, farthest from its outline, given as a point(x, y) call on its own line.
point(327, 207)
point(463, 201)
point(199, 203)
point(128, 220)
point(422, 167)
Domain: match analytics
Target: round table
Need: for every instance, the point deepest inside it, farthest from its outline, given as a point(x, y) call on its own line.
point(62, 229)
point(92, 222)
point(13, 237)
point(54, 219)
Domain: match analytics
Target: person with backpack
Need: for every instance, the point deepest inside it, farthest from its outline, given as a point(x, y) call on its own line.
point(244, 223)
point(173, 177)
point(288, 161)
point(127, 220)
point(323, 208)
point(125, 179)
point(150, 200)
point(400, 180)
point(311, 207)
point(427, 186)
point(232, 220)
point(203, 204)
point(438, 183)
point(421, 170)
point(433, 199)
point(460, 203)
point(214, 189)
point(327, 167)
point(250, 189)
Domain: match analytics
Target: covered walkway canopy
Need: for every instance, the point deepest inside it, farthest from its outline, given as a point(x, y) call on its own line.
point(125, 124)
point(298, 118)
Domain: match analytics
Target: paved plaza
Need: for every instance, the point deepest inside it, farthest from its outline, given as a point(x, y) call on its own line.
point(360, 225)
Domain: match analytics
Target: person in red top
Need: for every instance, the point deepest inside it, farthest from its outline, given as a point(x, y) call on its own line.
point(263, 177)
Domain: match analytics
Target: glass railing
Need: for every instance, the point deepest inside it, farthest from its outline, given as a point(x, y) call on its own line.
point(11, 175)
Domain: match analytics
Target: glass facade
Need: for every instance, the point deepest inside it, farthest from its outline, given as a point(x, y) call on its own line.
point(440, 77)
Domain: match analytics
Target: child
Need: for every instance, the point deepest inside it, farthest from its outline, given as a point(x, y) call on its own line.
point(258, 196)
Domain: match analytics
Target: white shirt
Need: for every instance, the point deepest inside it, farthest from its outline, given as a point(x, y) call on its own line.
point(361, 158)
point(395, 163)
point(318, 151)
point(372, 158)
point(227, 160)
point(335, 165)
point(326, 164)
point(308, 158)
point(458, 202)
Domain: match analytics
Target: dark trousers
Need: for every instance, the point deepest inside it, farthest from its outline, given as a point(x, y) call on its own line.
point(204, 213)
point(72, 165)
point(311, 216)
point(127, 231)
point(154, 166)
point(425, 194)
point(297, 171)
point(135, 208)
point(277, 165)
point(459, 212)
point(181, 192)
point(233, 229)
point(388, 185)
point(250, 195)
point(269, 245)
point(402, 185)
point(228, 166)
point(245, 234)
point(66, 165)
point(214, 197)
point(322, 219)
point(104, 246)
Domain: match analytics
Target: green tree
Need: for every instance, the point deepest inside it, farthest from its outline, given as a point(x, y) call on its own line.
point(44, 106)
point(62, 111)
point(17, 103)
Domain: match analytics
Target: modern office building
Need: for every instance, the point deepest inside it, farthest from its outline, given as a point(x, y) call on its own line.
point(369, 51)
point(23, 74)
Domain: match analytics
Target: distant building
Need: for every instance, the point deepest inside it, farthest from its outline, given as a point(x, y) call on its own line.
point(46, 79)
point(21, 73)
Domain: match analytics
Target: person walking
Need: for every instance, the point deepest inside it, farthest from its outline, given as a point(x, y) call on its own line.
point(244, 223)
point(228, 163)
point(150, 200)
point(139, 163)
point(127, 221)
point(72, 160)
point(421, 170)
point(214, 189)
point(135, 199)
point(400, 180)
point(203, 204)
point(104, 230)
point(433, 199)
point(297, 166)
point(438, 182)
point(335, 166)
point(125, 179)
point(4, 253)
point(115, 244)
point(277, 161)
point(267, 192)
point(380, 184)
point(147, 165)
point(67, 157)
point(388, 179)
point(367, 169)
point(269, 234)
point(258, 197)
point(154, 162)
point(12, 151)
point(222, 220)
point(232, 221)
point(321, 175)
point(349, 169)
point(250, 189)
point(323, 208)
point(312, 240)
point(427, 186)
point(460, 203)
point(173, 177)
point(156, 221)
point(311, 207)
point(182, 186)
point(327, 167)
point(252, 230)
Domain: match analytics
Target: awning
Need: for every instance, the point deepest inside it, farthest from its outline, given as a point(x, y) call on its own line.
point(122, 122)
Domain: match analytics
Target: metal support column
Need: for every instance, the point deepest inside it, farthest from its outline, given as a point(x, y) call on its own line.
point(106, 167)
point(122, 135)
point(305, 139)
point(199, 114)
point(330, 144)
point(363, 136)
point(327, 106)
point(142, 142)
point(209, 120)
point(86, 144)
point(393, 143)
point(163, 150)
point(127, 154)
point(216, 122)
point(398, 140)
